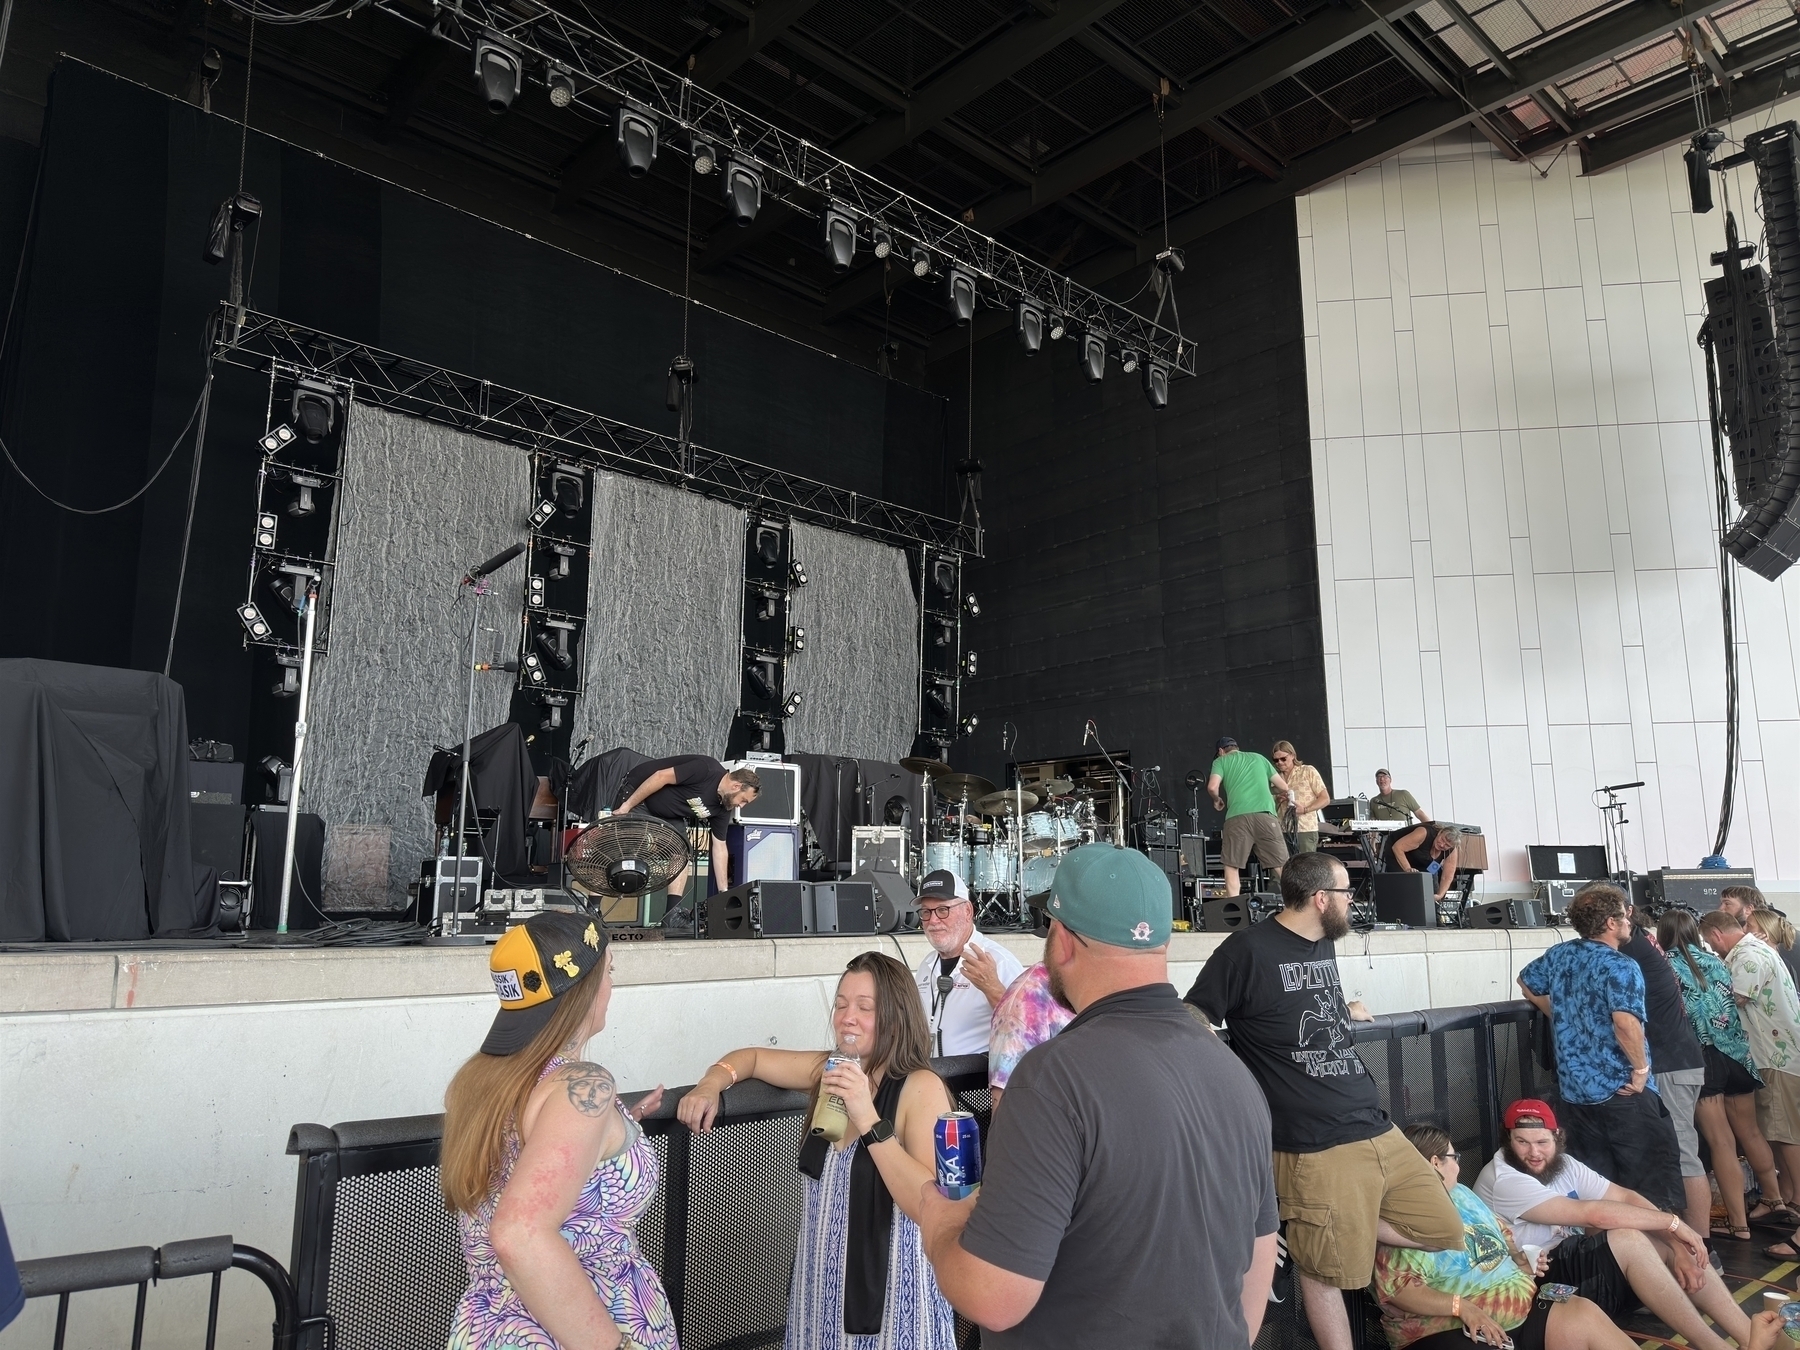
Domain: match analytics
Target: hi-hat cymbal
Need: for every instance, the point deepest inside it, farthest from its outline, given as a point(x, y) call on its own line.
point(956, 784)
point(1006, 803)
point(1055, 787)
point(919, 764)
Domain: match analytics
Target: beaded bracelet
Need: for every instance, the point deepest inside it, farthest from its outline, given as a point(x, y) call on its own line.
point(721, 1064)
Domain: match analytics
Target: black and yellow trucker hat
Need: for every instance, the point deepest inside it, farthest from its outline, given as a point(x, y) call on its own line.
point(531, 966)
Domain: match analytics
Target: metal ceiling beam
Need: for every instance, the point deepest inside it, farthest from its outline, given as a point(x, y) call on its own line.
point(1749, 93)
point(412, 79)
point(716, 62)
point(976, 73)
point(1426, 71)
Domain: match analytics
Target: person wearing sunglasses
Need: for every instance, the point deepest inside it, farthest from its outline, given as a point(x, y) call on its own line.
point(963, 978)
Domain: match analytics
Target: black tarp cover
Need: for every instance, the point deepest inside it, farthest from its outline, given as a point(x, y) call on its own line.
point(504, 781)
point(94, 796)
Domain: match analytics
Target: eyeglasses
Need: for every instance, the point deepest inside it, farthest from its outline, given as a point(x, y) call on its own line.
point(1338, 890)
point(1449, 1155)
point(938, 913)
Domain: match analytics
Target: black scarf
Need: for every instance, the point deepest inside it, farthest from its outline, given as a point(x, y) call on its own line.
point(871, 1225)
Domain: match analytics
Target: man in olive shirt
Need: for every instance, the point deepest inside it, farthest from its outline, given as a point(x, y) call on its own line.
point(1387, 804)
point(1249, 783)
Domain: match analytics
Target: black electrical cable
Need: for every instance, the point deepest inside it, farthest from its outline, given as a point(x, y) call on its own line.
point(116, 506)
point(1727, 608)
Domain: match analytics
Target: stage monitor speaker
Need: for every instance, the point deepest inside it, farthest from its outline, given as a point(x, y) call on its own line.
point(782, 909)
point(896, 907)
point(218, 837)
point(844, 907)
point(1219, 916)
point(728, 913)
point(1506, 914)
point(1405, 897)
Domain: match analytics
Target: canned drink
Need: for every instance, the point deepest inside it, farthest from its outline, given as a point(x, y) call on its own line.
point(958, 1140)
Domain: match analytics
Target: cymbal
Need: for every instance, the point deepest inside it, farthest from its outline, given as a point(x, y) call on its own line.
point(1054, 787)
point(955, 784)
point(1006, 803)
point(919, 764)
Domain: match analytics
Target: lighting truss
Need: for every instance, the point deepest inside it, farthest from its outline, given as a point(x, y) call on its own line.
point(605, 72)
point(421, 389)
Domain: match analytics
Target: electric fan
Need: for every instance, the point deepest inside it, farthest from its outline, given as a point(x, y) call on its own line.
point(627, 855)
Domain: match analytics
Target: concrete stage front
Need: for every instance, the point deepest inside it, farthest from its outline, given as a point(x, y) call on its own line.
point(148, 1093)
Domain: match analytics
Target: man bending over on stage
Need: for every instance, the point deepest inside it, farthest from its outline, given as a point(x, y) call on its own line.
point(691, 790)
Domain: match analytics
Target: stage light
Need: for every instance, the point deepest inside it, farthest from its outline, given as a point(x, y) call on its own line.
point(796, 639)
point(315, 407)
point(534, 593)
point(1128, 360)
point(969, 724)
point(556, 649)
point(228, 225)
point(883, 241)
point(797, 572)
point(759, 681)
point(945, 632)
point(959, 294)
point(541, 514)
point(265, 530)
point(938, 699)
point(290, 677)
point(568, 488)
point(303, 504)
point(921, 261)
point(973, 605)
point(254, 623)
point(1092, 351)
point(1058, 326)
point(562, 88)
point(1156, 384)
point(943, 576)
point(280, 773)
point(743, 192)
point(1028, 323)
point(534, 668)
point(768, 544)
point(969, 662)
point(792, 705)
point(499, 72)
point(278, 439)
point(635, 132)
point(706, 158)
point(565, 554)
point(840, 239)
point(767, 606)
point(553, 705)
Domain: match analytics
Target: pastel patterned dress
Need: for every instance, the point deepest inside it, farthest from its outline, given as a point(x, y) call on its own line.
point(916, 1317)
point(601, 1230)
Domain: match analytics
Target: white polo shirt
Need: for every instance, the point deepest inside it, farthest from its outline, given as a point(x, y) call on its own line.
point(964, 1015)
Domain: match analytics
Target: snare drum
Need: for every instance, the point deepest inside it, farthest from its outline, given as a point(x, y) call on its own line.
point(1068, 832)
point(948, 857)
point(1040, 872)
point(1040, 830)
point(992, 869)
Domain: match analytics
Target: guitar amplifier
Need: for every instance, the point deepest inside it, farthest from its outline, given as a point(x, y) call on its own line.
point(1697, 888)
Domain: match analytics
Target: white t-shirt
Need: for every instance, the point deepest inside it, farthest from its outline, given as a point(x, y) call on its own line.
point(1510, 1192)
point(964, 1014)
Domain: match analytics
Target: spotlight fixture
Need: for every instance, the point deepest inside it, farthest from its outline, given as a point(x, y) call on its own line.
point(499, 71)
point(568, 487)
point(972, 605)
point(534, 668)
point(969, 663)
point(303, 503)
point(554, 641)
point(792, 706)
point(938, 698)
point(534, 593)
point(959, 294)
point(1028, 323)
point(796, 639)
point(840, 239)
point(553, 705)
point(883, 242)
point(265, 530)
point(797, 572)
point(562, 88)
point(945, 632)
point(969, 724)
point(290, 677)
point(1058, 326)
point(541, 514)
point(565, 554)
point(921, 261)
point(281, 776)
point(706, 158)
point(743, 192)
point(758, 672)
point(768, 544)
point(314, 407)
point(1128, 360)
point(1093, 357)
point(635, 133)
point(254, 623)
point(943, 576)
point(767, 606)
point(278, 439)
point(1156, 384)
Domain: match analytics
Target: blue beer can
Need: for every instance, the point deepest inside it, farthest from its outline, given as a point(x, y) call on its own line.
point(958, 1154)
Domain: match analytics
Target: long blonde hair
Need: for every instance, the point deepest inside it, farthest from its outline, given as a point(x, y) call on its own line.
point(486, 1098)
point(1772, 928)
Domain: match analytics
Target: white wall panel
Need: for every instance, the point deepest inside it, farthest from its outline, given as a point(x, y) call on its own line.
point(1521, 588)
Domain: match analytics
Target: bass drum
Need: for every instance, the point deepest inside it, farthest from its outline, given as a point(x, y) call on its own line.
point(992, 869)
point(1039, 873)
point(948, 857)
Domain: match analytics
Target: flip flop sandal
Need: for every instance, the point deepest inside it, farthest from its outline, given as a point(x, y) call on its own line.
point(1775, 1216)
point(1775, 1253)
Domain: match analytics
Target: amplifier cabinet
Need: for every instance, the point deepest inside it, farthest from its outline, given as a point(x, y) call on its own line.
point(1406, 897)
point(844, 907)
point(1697, 888)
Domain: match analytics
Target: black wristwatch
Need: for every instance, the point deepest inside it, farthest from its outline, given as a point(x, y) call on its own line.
point(879, 1133)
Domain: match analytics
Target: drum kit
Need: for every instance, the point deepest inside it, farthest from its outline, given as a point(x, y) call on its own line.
point(1005, 843)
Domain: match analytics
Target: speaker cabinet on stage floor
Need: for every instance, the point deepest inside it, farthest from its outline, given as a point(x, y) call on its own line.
point(1405, 897)
point(896, 907)
point(781, 908)
point(218, 837)
point(1168, 862)
point(1220, 916)
point(844, 907)
point(1506, 914)
point(774, 909)
point(269, 838)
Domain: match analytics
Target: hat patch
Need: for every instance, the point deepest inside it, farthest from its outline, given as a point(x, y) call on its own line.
point(1141, 933)
point(533, 981)
point(592, 937)
point(506, 984)
point(563, 962)
point(1055, 902)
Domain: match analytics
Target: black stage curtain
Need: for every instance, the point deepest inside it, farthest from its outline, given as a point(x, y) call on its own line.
point(838, 793)
point(594, 787)
point(504, 781)
point(308, 888)
point(93, 790)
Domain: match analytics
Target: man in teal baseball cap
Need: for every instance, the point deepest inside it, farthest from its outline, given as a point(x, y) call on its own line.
point(1132, 1156)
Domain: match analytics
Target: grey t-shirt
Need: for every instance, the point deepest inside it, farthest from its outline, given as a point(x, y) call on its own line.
point(1128, 1168)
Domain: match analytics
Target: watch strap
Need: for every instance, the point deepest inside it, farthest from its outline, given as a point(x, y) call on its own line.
point(878, 1133)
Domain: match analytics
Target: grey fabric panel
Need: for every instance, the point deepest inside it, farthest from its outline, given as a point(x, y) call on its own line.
point(663, 632)
point(421, 504)
point(858, 675)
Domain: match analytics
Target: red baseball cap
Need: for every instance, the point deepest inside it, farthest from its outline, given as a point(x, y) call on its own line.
point(1528, 1108)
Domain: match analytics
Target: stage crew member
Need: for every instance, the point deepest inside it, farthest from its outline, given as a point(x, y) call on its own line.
point(1310, 794)
point(1249, 783)
point(966, 973)
point(691, 790)
point(1426, 848)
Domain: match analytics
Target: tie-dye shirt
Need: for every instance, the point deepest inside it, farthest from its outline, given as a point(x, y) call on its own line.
point(1482, 1270)
point(1025, 1016)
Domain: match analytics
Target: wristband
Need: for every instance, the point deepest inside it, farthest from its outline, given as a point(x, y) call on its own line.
point(721, 1064)
point(1456, 1306)
point(1674, 1222)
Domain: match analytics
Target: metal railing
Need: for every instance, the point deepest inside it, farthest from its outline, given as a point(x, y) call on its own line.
point(60, 1277)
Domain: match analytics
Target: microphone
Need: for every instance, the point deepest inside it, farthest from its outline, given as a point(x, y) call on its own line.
point(1620, 787)
point(1087, 731)
point(497, 665)
point(493, 564)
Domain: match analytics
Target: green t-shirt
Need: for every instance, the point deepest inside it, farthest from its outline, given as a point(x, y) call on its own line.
point(1398, 805)
point(1244, 780)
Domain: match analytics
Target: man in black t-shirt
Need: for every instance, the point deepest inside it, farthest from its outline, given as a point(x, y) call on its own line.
point(1679, 1065)
point(1127, 1199)
point(1345, 1176)
point(691, 790)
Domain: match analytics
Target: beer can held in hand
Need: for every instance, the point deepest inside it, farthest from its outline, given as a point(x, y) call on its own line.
point(958, 1154)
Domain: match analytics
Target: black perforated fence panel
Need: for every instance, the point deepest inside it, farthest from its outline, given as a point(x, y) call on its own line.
point(397, 1267)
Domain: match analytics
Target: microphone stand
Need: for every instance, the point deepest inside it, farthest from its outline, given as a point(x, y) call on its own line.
point(450, 925)
point(311, 603)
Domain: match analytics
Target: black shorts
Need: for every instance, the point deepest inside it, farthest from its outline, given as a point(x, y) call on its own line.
point(1630, 1141)
point(1528, 1335)
point(1725, 1077)
point(1586, 1261)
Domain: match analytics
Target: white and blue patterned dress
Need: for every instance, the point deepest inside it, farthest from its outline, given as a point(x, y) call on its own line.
point(916, 1316)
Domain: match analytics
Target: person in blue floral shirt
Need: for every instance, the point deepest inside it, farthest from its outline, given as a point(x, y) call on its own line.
point(1594, 998)
point(1726, 1113)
